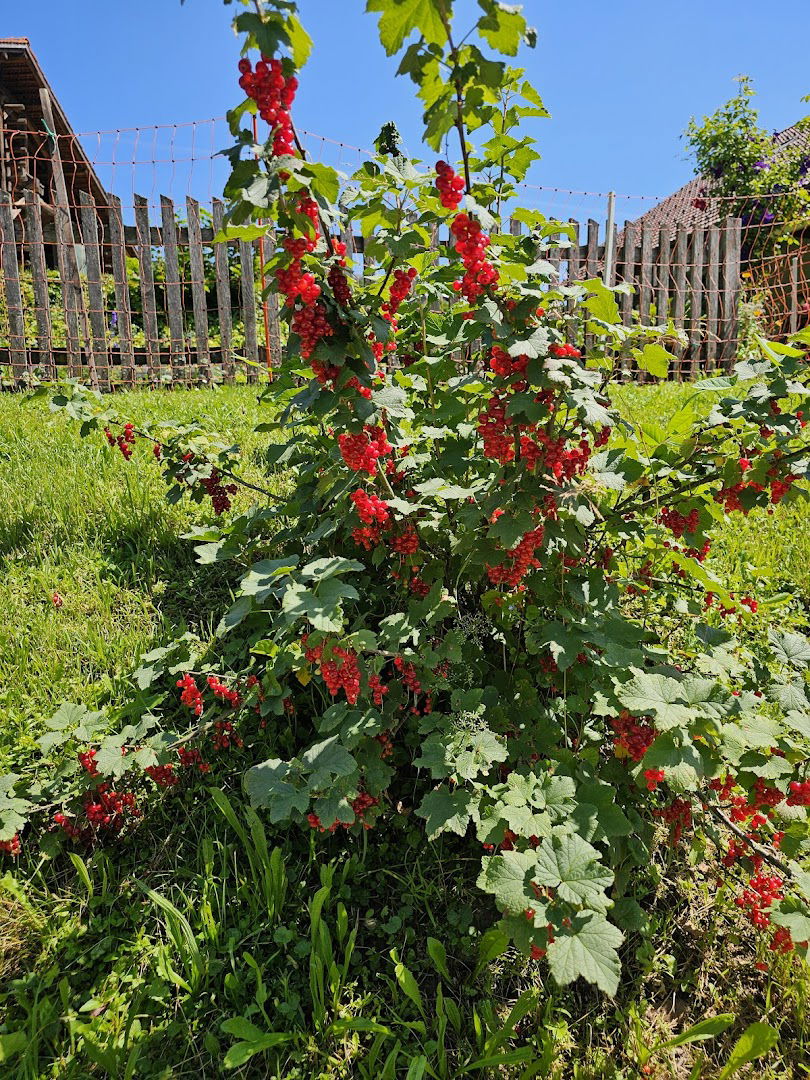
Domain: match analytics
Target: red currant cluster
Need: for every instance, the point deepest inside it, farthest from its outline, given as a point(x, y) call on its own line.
point(339, 283)
point(471, 243)
point(407, 543)
point(57, 600)
point(564, 350)
point(678, 815)
point(633, 736)
point(163, 775)
point(192, 757)
point(109, 809)
point(400, 287)
point(407, 671)
point(344, 675)
point(449, 185)
point(191, 695)
point(124, 441)
point(217, 492)
point(799, 793)
point(521, 559)
point(763, 890)
point(87, 760)
point(11, 847)
point(367, 536)
point(223, 692)
point(386, 744)
point(499, 442)
point(652, 778)
point(378, 690)
point(505, 365)
point(225, 735)
point(678, 523)
point(371, 509)
point(361, 450)
point(274, 94)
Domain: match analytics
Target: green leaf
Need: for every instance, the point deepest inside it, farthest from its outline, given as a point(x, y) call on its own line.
point(241, 1052)
point(756, 1040)
point(12, 1044)
point(322, 569)
point(572, 866)
point(399, 18)
point(263, 577)
point(266, 786)
point(326, 760)
point(655, 359)
point(508, 877)
point(587, 949)
point(602, 302)
point(792, 649)
point(300, 41)
point(444, 810)
point(438, 955)
point(706, 1029)
point(656, 695)
point(503, 28)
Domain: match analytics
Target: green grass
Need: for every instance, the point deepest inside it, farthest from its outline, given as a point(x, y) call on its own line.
point(126, 962)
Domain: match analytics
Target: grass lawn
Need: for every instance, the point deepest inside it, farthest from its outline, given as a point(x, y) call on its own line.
point(125, 963)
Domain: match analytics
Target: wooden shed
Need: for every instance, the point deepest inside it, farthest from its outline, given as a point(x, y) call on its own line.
point(39, 151)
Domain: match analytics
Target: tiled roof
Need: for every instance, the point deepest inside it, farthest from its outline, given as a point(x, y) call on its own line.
point(679, 208)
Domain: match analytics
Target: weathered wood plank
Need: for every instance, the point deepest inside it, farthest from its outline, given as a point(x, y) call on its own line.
point(122, 313)
point(99, 357)
point(732, 250)
point(609, 272)
point(147, 283)
point(712, 294)
point(223, 293)
point(646, 290)
point(696, 267)
point(574, 273)
point(72, 300)
point(197, 266)
point(679, 277)
point(11, 288)
point(664, 279)
point(39, 281)
point(174, 290)
point(248, 308)
point(592, 253)
point(628, 272)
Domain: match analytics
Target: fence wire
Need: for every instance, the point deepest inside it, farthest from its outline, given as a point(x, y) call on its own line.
point(108, 268)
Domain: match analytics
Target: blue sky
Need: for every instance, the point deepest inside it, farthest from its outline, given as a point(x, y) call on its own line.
point(621, 80)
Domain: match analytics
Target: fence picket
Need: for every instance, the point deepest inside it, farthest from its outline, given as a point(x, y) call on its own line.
point(732, 246)
point(628, 271)
point(174, 290)
point(248, 308)
point(39, 282)
point(197, 267)
point(147, 282)
point(664, 282)
point(696, 271)
point(223, 293)
point(97, 353)
point(123, 312)
point(712, 294)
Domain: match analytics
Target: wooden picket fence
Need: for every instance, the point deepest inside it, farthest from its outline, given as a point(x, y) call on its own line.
point(84, 294)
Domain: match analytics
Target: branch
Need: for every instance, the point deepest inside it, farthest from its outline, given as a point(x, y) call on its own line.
point(459, 98)
point(763, 852)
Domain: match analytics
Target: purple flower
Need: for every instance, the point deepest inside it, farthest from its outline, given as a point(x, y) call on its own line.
point(761, 165)
point(767, 217)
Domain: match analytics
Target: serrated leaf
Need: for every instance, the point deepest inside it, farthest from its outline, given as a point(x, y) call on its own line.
point(792, 649)
point(445, 811)
point(656, 695)
point(572, 866)
point(508, 877)
point(327, 759)
point(587, 950)
point(655, 359)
